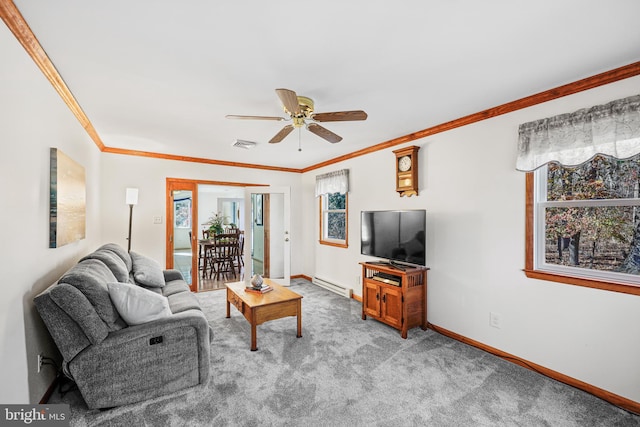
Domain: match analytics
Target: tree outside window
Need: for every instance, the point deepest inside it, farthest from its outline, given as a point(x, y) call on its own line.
point(333, 219)
point(182, 213)
point(588, 219)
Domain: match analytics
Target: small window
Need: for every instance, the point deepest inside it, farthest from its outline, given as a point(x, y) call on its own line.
point(586, 223)
point(333, 219)
point(182, 213)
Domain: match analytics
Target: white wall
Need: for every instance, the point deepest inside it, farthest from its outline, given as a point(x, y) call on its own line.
point(149, 176)
point(33, 118)
point(475, 202)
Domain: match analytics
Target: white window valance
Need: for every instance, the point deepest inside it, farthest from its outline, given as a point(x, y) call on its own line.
point(333, 182)
point(611, 129)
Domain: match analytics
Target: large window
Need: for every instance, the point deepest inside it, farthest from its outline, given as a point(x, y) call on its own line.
point(333, 219)
point(583, 224)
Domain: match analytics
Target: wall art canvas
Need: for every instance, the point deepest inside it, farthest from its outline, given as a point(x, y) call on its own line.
point(67, 200)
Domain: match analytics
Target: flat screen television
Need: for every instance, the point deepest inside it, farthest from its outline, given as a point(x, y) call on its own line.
point(396, 236)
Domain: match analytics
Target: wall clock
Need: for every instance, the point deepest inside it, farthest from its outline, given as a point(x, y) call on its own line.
point(407, 171)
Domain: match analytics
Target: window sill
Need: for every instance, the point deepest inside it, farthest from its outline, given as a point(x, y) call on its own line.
point(335, 244)
point(581, 281)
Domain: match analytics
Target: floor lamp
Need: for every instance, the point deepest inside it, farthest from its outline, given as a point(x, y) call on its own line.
point(132, 199)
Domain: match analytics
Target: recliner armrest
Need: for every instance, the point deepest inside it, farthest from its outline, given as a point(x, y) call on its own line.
point(144, 361)
point(172, 274)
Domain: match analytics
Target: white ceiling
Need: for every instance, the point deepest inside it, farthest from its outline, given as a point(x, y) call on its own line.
point(161, 75)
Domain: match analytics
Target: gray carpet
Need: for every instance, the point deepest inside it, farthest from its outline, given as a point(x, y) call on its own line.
point(348, 372)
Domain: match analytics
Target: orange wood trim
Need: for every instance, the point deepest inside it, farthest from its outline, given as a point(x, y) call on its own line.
point(356, 297)
point(528, 229)
point(195, 247)
point(337, 245)
point(172, 185)
point(531, 273)
point(301, 276)
point(225, 183)
point(624, 288)
point(168, 250)
point(601, 79)
point(21, 30)
point(196, 160)
point(612, 398)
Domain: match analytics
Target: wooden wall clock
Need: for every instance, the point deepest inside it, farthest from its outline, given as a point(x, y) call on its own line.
point(407, 171)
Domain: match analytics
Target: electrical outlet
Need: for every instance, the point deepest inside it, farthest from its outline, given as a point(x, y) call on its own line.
point(157, 220)
point(495, 320)
point(40, 357)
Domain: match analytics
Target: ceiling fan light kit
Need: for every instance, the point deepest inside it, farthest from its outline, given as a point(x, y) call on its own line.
point(300, 109)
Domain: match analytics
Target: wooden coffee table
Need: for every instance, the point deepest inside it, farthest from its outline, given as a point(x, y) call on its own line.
point(260, 308)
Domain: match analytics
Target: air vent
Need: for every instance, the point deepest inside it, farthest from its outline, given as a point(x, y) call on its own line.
point(240, 143)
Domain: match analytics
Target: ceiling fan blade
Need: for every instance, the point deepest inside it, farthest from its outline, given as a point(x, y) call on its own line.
point(324, 133)
point(233, 116)
point(340, 116)
point(290, 100)
point(282, 134)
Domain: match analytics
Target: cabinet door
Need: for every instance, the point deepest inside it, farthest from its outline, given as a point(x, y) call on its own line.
point(372, 299)
point(392, 305)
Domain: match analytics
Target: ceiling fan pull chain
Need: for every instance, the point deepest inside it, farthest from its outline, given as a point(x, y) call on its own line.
point(299, 139)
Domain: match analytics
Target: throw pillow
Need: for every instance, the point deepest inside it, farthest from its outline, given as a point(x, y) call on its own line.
point(146, 271)
point(137, 305)
point(113, 261)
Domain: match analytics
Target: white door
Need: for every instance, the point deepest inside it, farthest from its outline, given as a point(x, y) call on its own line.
point(267, 238)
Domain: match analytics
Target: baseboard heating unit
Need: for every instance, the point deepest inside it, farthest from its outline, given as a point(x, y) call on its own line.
point(338, 289)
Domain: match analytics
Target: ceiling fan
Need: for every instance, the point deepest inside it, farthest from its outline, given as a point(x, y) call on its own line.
point(300, 109)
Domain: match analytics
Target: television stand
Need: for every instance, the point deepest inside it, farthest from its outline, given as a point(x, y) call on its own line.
point(400, 303)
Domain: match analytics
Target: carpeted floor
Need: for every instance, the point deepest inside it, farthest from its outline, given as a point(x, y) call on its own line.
point(348, 372)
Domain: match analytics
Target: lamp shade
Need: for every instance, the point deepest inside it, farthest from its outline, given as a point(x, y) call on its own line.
point(132, 196)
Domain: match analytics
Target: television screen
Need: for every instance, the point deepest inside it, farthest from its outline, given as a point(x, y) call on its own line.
point(394, 235)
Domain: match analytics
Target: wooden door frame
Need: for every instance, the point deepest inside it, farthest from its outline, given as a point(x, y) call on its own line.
point(181, 183)
point(171, 186)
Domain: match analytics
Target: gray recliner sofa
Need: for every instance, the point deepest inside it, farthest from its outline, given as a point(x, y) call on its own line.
point(115, 361)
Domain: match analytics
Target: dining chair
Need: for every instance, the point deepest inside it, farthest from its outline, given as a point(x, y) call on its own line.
point(225, 253)
point(206, 255)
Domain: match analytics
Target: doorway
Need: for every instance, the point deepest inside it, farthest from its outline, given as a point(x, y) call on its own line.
point(182, 205)
point(268, 249)
point(207, 198)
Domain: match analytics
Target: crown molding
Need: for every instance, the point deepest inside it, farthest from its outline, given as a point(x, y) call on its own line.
point(19, 27)
point(175, 157)
point(21, 30)
point(601, 79)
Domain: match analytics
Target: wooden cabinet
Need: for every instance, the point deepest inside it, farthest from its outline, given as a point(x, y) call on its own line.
point(395, 297)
